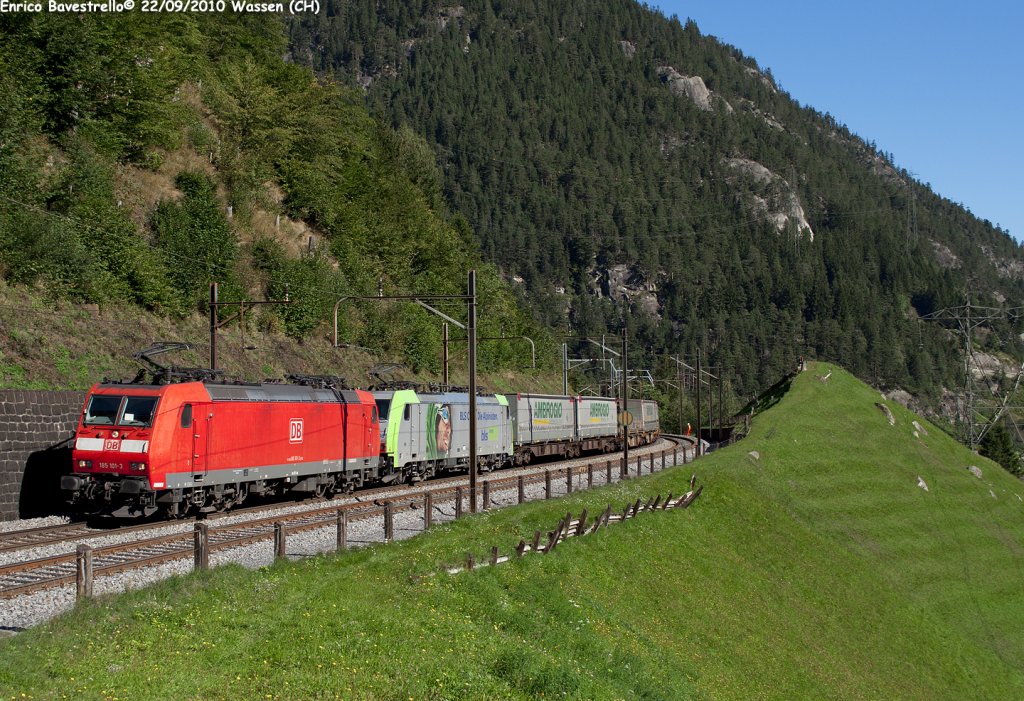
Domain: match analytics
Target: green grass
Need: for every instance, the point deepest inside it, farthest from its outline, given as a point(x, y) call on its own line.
point(819, 572)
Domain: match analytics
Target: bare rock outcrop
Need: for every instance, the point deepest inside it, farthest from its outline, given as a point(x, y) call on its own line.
point(765, 80)
point(446, 15)
point(689, 86)
point(1005, 267)
point(888, 413)
point(623, 281)
point(770, 194)
point(945, 257)
point(769, 119)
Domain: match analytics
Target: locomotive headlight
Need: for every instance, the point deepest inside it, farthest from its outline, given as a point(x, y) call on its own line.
point(85, 464)
point(138, 466)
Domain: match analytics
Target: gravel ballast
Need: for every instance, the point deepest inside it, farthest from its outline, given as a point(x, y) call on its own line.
point(28, 610)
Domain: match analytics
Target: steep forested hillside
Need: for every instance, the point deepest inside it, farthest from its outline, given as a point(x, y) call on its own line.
point(602, 152)
point(144, 157)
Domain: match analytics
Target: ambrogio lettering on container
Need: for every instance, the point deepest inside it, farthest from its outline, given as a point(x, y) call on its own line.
point(547, 410)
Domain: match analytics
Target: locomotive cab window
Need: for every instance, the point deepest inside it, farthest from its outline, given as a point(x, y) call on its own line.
point(384, 406)
point(103, 409)
point(138, 411)
point(405, 416)
point(186, 416)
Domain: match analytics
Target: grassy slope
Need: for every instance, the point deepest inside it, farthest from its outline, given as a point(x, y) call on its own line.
point(822, 572)
point(53, 344)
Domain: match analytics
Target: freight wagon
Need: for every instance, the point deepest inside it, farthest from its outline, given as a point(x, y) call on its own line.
point(645, 427)
point(560, 425)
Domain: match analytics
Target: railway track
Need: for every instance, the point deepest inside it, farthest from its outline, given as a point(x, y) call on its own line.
point(57, 570)
point(81, 531)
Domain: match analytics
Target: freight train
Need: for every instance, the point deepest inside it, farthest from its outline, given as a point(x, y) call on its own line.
point(206, 445)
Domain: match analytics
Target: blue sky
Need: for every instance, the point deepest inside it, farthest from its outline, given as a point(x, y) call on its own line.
point(940, 85)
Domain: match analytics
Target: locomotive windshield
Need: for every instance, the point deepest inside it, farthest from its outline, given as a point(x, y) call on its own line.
point(103, 409)
point(138, 411)
point(110, 409)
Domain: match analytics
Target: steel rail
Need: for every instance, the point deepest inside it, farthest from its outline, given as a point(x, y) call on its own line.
point(56, 570)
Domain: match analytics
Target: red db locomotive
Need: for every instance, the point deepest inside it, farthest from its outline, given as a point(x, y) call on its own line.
point(207, 445)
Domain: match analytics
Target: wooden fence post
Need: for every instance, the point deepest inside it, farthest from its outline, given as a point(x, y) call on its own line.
point(623, 468)
point(470, 562)
point(668, 500)
point(83, 572)
point(428, 510)
point(341, 537)
point(487, 494)
point(536, 541)
point(389, 522)
point(639, 463)
point(521, 548)
point(590, 475)
point(547, 484)
point(280, 538)
point(494, 555)
point(562, 526)
point(201, 541)
point(582, 524)
point(568, 480)
point(650, 463)
point(521, 485)
point(458, 502)
point(675, 456)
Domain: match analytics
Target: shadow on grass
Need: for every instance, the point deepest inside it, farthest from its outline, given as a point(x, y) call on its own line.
point(770, 397)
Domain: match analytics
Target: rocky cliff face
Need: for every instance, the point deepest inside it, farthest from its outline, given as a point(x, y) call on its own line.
point(768, 194)
point(628, 282)
point(691, 86)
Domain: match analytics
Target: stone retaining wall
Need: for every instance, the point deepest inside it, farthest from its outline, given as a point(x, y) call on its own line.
point(36, 430)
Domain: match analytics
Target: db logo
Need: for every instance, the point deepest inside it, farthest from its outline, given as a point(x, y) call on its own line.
point(113, 445)
point(295, 431)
